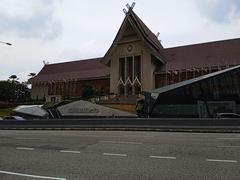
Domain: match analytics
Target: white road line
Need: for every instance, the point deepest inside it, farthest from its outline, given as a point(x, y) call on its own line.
point(138, 136)
point(30, 138)
point(229, 138)
point(95, 136)
point(228, 146)
point(121, 142)
point(112, 154)
point(25, 148)
point(221, 160)
point(74, 152)
point(32, 176)
point(163, 157)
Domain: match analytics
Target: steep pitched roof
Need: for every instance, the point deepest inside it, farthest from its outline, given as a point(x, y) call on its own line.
point(226, 52)
point(82, 69)
point(146, 35)
point(149, 35)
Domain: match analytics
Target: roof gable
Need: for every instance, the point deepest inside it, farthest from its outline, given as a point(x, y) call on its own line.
point(128, 34)
point(142, 32)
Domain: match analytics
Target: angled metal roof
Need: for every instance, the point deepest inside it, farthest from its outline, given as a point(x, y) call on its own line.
point(192, 81)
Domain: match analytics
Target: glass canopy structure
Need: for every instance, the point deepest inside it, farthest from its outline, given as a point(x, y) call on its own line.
point(218, 92)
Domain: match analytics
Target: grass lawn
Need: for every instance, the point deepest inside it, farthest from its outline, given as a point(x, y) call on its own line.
point(5, 112)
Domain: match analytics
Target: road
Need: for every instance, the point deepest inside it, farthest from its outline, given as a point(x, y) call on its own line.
point(103, 155)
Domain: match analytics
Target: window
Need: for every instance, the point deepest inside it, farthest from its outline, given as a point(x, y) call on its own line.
point(137, 67)
point(53, 99)
point(130, 69)
point(122, 69)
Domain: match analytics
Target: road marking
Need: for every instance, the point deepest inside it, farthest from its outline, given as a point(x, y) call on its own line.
point(220, 160)
point(25, 148)
point(229, 138)
point(228, 146)
point(112, 154)
point(121, 142)
point(163, 157)
point(97, 136)
point(74, 152)
point(30, 138)
point(32, 176)
point(139, 136)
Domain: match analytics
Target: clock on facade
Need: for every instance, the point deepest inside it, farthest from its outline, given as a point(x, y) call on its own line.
point(129, 48)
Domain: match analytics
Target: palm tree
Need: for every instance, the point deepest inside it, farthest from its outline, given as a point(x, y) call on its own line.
point(13, 77)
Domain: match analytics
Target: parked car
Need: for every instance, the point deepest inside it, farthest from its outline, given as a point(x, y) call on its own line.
point(227, 115)
point(1, 118)
point(13, 118)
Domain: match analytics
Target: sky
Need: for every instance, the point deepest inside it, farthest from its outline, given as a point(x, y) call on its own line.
point(65, 30)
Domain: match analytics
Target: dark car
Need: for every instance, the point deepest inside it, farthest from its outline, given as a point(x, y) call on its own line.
point(227, 115)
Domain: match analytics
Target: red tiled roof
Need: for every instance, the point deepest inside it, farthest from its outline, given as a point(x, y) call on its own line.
point(226, 52)
point(82, 69)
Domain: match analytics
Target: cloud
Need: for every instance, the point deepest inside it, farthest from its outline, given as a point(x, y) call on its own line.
point(66, 30)
point(29, 19)
point(220, 11)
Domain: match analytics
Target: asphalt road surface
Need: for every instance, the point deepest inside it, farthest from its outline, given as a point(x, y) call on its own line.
point(103, 155)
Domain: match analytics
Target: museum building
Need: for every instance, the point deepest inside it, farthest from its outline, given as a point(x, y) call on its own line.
point(135, 62)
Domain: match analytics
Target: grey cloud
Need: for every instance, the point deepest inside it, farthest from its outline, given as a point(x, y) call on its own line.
point(41, 23)
point(219, 10)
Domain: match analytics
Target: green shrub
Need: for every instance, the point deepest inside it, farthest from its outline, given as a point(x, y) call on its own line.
point(88, 92)
point(5, 112)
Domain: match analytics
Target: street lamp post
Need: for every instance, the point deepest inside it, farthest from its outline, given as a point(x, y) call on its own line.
point(6, 43)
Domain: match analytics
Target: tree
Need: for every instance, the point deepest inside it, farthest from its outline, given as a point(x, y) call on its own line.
point(88, 92)
point(13, 91)
point(13, 77)
point(7, 91)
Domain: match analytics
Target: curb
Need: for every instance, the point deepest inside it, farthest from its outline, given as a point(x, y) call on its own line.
point(130, 129)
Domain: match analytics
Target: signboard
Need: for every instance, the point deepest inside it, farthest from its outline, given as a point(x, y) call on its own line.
point(86, 108)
